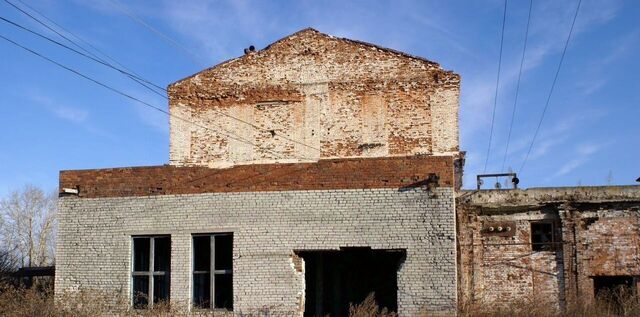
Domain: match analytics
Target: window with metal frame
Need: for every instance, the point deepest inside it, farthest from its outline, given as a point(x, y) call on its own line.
point(542, 236)
point(150, 270)
point(213, 271)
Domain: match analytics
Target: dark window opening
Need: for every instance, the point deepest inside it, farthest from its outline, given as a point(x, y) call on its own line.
point(617, 290)
point(335, 279)
point(213, 271)
point(542, 237)
point(150, 274)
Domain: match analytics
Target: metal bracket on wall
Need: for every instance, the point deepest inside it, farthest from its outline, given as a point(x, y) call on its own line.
point(514, 179)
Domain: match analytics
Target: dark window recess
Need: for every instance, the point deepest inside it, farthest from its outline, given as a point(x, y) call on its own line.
point(141, 254)
point(212, 271)
point(223, 288)
point(542, 237)
point(616, 290)
point(202, 290)
point(140, 291)
point(151, 266)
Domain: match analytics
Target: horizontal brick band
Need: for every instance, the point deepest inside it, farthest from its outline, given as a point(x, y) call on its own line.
point(363, 173)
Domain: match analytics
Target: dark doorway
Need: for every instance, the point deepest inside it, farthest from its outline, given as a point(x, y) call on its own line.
point(614, 289)
point(334, 279)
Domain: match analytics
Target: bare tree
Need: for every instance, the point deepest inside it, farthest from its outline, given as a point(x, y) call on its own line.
point(28, 226)
point(7, 267)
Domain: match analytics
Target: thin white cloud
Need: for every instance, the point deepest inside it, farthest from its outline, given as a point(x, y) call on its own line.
point(597, 75)
point(150, 117)
point(570, 166)
point(549, 27)
point(67, 113)
point(589, 148)
point(74, 115)
point(71, 114)
point(584, 154)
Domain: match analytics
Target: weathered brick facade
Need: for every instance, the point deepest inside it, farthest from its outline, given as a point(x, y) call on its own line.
point(596, 234)
point(321, 144)
point(312, 144)
point(94, 249)
point(311, 96)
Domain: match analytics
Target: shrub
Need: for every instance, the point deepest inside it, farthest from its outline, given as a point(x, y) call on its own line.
point(369, 308)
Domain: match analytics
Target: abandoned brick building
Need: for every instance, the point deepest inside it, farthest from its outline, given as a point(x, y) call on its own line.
point(306, 175)
point(554, 245)
point(301, 177)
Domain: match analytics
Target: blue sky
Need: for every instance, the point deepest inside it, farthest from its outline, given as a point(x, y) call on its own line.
point(52, 120)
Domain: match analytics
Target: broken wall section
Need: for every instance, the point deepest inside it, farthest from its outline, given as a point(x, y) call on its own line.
point(548, 244)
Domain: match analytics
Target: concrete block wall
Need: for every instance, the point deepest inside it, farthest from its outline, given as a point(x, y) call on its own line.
point(94, 240)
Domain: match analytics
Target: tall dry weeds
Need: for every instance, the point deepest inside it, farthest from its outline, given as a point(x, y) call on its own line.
point(20, 302)
point(619, 303)
point(369, 308)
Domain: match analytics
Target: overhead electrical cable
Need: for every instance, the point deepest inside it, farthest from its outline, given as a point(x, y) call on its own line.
point(96, 49)
point(229, 134)
point(95, 57)
point(152, 90)
point(515, 102)
point(133, 77)
point(553, 84)
point(495, 99)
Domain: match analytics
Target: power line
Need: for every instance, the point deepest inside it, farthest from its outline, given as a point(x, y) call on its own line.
point(126, 95)
point(515, 102)
point(553, 84)
point(192, 56)
point(131, 76)
point(95, 57)
point(99, 51)
point(495, 99)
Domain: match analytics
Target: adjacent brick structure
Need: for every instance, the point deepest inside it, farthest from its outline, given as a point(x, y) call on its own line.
point(596, 234)
point(314, 143)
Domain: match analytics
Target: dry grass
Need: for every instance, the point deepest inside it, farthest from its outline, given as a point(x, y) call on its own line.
point(369, 308)
point(18, 302)
point(612, 304)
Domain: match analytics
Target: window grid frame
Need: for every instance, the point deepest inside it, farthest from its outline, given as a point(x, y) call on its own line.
point(212, 271)
point(538, 246)
point(151, 272)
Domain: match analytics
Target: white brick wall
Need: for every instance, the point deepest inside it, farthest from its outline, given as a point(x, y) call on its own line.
point(94, 240)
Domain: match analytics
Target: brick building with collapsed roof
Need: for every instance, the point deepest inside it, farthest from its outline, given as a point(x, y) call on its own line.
point(306, 175)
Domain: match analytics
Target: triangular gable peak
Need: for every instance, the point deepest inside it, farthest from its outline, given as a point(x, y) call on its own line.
point(288, 60)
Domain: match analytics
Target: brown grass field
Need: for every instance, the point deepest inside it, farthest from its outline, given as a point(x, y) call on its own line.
point(20, 302)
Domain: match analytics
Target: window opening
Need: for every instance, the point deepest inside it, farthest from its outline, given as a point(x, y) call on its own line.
point(213, 271)
point(542, 237)
point(151, 267)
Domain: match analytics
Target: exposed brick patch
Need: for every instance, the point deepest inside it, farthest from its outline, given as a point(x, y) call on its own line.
point(331, 96)
point(597, 230)
point(363, 173)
